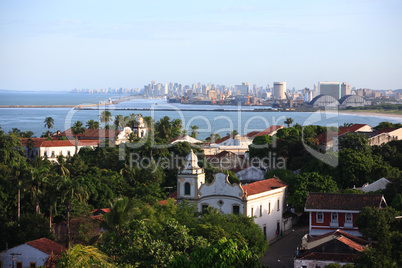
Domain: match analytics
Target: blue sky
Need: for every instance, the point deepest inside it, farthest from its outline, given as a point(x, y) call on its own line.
point(61, 45)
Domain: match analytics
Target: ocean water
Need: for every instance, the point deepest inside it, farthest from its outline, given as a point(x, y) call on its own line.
point(52, 98)
point(209, 120)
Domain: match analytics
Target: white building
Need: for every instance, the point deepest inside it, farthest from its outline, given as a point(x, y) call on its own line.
point(279, 90)
point(264, 200)
point(242, 89)
point(140, 127)
point(32, 254)
point(345, 89)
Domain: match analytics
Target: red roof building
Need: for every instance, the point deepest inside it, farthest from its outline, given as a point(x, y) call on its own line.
point(330, 211)
point(41, 252)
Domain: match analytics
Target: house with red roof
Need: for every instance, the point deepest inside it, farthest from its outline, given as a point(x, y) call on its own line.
point(272, 130)
point(333, 247)
point(37, 253)
point(263, 200)
point(356, 128)
point(332, 211)
point(51, 149)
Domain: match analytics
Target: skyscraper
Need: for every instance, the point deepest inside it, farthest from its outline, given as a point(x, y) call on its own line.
point(345, 89)
point(330, 88)
point(279, 90)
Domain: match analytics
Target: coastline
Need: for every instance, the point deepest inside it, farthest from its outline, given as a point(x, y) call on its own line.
point(393, 115)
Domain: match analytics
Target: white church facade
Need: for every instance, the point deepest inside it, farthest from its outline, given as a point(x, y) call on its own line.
point(264, 200)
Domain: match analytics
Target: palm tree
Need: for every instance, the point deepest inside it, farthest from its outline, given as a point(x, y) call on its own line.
point(70, 190)
point(92, 124)
point(120, 212)
point(84, 256)
point(288, 121)
point(120, 121)
point(49, 122)
point(132, 120)
point(105, 118)
point(76, 129)
point(194, 131)
point(347, 124)
point(37, 182)
point(19, 170)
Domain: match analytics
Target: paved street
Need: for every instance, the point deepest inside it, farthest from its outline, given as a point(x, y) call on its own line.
point(284, 249)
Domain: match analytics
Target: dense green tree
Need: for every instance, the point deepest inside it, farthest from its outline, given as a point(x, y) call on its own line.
point(354, 141)
point(83, 256)
point(357, 167)
point(222, 253)
point(10, 149)
point(309, 182)
point(163, 129)
point(385, 124)
point(260, 146)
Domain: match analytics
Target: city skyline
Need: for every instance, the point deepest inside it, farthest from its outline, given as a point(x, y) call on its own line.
point(96, 44)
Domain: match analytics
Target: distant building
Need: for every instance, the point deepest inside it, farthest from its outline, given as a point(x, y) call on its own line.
point(345, 89)
point(330, 88)
point(353, 101)
point(279, 90)
point(243, 89)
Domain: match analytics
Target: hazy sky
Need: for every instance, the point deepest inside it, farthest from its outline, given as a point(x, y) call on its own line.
point(61, 45)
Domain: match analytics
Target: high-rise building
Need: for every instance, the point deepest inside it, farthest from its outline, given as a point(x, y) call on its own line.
point(279, 90)
point(330, 88)
point(345, 89)
point(242, 89)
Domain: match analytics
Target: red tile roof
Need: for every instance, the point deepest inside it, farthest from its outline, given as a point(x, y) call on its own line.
point(351, 244)
point(223, 139)
point(339, 233)
point(340, 257)
point(43, 142)
point(263, 186)
point(352, 128)
point(175, 139)
point(252, 134)
point(386, 130)
point(269, 130)
point(92, 134)
point(332, 201)
point(47, 246)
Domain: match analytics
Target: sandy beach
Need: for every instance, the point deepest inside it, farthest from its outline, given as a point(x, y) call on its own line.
point(371, 114)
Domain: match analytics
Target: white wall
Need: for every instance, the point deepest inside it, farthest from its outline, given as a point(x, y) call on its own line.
point(28, 254)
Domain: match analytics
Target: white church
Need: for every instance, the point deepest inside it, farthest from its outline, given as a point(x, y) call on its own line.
point(264, 200)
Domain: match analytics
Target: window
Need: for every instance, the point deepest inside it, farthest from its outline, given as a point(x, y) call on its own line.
point(204, 208)
point(236, 209)
point(278, 205)
point(269, 208)
point(68, 153)
point(19, 264)
point(53, 154)
point(265, 230)
point(252, 212)
point(348, 217)
point(32, 265)
point(334, 217)
point(260, 210)
point(320, 217)
point(187, 189)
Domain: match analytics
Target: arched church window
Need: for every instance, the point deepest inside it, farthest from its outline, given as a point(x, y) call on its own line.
point(187, 189)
